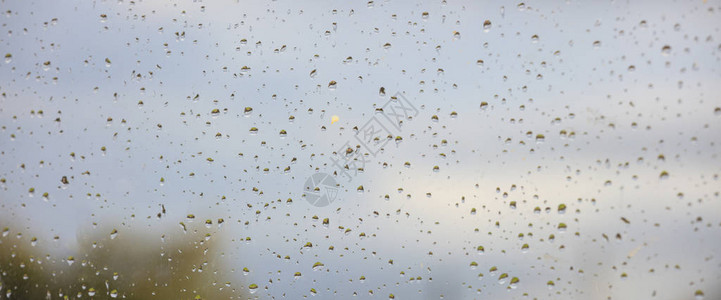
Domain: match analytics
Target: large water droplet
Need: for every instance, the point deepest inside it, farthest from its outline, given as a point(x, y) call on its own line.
point(666, 50)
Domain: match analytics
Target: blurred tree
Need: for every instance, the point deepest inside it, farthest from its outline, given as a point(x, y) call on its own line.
point(119, 265)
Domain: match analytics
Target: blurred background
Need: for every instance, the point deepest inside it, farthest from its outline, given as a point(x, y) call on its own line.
point(555, 150)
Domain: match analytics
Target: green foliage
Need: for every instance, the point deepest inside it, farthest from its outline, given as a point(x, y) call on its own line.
point(131, 266)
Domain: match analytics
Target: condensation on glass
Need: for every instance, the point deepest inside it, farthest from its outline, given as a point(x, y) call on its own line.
point(385, 149)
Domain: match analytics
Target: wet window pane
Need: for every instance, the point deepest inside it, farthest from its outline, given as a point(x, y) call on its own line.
point(385, 149)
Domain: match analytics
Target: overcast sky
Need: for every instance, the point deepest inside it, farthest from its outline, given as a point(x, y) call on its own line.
point(609, 108)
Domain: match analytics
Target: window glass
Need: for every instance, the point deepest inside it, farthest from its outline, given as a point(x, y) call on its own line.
point(386, 149)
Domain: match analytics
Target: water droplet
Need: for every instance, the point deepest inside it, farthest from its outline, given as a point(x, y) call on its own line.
point(514, 282)
point(666, 50)
point(487, 25)
point(502, 278)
